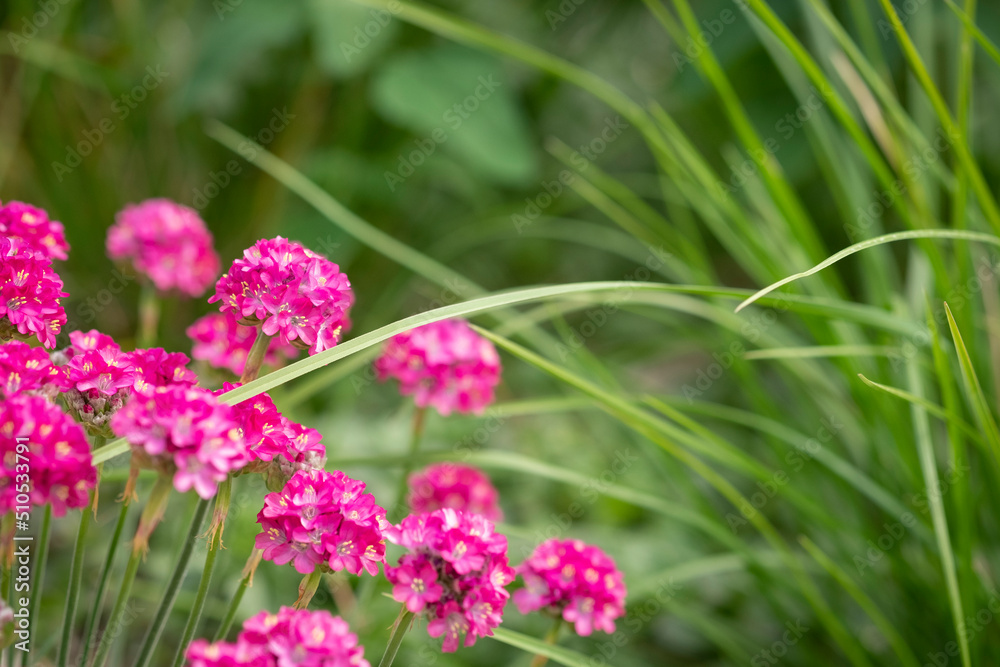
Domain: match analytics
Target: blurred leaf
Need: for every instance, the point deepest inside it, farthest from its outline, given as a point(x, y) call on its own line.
point(347, 36)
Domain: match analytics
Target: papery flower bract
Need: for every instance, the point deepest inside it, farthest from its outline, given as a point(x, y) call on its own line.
point(453, 485)
point(225, 343)
point(323, 518)
point(291, 291)
point(457, 572)
point(443, 364)
point(184, 431)
point(26, 369)
point(29, 294)
point(576, 581)
point(31, 224)
point(167, 242)
point(35, 432)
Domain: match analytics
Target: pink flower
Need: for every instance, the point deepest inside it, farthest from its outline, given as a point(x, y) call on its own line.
point(456, 571)
point(29, 294)
point(225, 343)
point(167, 242)
point(323, 519)
point(186, 432)
point(290, 638)
point(26, 369)
point(574, 580)
point(453, 485)
point(155, 367)
point(444, 364)
point(45, 454)
point(44, 237)
point(292, 291)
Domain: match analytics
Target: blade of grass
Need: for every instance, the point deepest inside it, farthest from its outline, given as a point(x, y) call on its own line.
point(820, 352)
point(970, 25)
point(533, 646)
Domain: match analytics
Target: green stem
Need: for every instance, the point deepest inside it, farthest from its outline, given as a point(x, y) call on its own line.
point(551, 638)
point(234, 605)
point(38, 576)
point(173, 586)
point(399, 630)
point(308, 587)
point(255, 358)
point(149, 315)
point(102, 584)
point(419, 418)
point(199, 601)
point(112, 629)
point(75, 581)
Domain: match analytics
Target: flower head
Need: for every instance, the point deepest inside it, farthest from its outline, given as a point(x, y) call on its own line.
point(26, 369)
point(29, 294)
point(290, 638)
point(453, 485)
point(456, 571)
point(155, 367)
point(36, 431)
point(186, 432)
point(167, 242)
point(292, 291)
point(576, 581)
point(42, 236)
point(444, 364)
point(223, 342)
point(323, 519)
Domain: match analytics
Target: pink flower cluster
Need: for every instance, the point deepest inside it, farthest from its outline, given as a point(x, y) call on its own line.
point(43, 454)
point(167, 242)
point(278, 446)
point(183, 431)
point(323, 519)
point(225, 343)
point(576, 581)
point(457, 486)
point(444, 364)
point(25, 369)
point(29, 294)
point(295, 292)
point(44, 237)
point(456, 571)
point(290, 638)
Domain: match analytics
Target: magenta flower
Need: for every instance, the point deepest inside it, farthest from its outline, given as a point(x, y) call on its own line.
point(155, 367)
point(576, 581)
point(291, 291)
point(28, 370)
point(44, 237)
point(323, 519)
point(290, 638)
point(185, 432)
point(29, 294)
point(456, 570)
point(167, 242)
point(225, 343)
point(453, 485)
point(444, 364)
point(44, 455)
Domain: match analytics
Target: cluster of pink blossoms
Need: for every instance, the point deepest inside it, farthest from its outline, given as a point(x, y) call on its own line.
point(56, 467)
point(575, 581)
point(185, 432)
point(167, 242)
point(323, 519)
point(31, 224)
point(223, 342)
point(29, 294)
point(290, 638)
point(278, 446)
point(456, 486)
point(25, 369)
point(456, 571)
point(444, 364)
point(292, 291)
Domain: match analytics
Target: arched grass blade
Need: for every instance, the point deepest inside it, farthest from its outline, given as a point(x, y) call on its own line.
point(533, 646)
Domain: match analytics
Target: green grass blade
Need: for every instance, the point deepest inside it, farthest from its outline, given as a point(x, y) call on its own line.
point(820, 352)
point(980, 404)
point(535, 646)
point(970, 25)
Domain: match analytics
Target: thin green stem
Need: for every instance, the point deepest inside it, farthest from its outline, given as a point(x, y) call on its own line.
point(149, 315)
point(416, 435)
point(113, 628)
point(255, 359)
point(399, 630)
point(552, 639)
point(194, 616)
point(234, 605)
point(75, 581)
point(38, 576)
point(173, 586)
point(102, 584)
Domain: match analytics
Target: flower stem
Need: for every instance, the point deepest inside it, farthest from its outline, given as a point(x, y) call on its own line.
point(173, 586)
point(551, 638)
point(255, 359)
point(307, 588)
point(75, 581)
point(149, 315)
point(102, 584)
point(112, 630)
point(399, 630)
point(38, 576)
point(234, 605)
point(194, 617)
point(419, 418)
